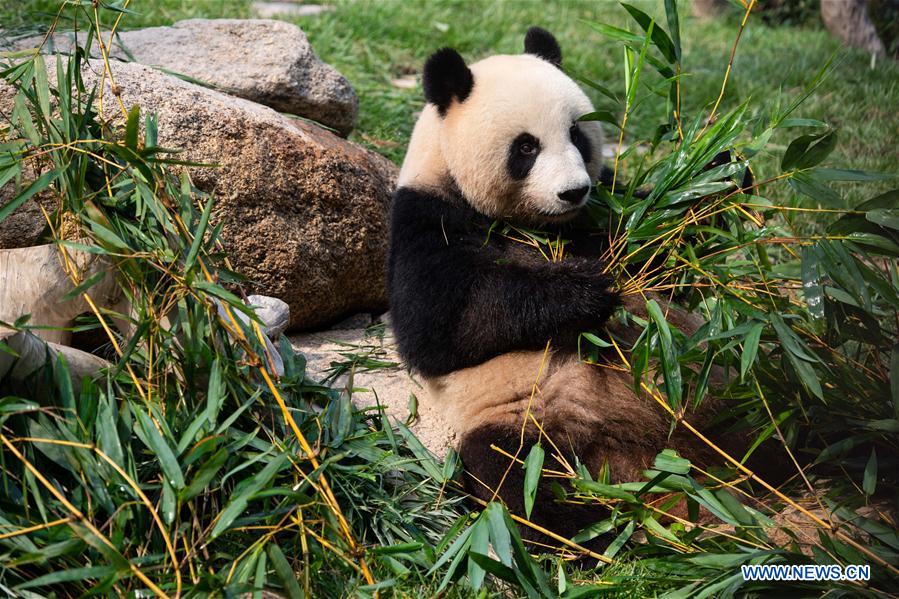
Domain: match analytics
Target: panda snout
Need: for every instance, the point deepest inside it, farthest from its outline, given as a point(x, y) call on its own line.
point(573, 196)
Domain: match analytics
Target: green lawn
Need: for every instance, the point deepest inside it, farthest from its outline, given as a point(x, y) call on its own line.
point(374, 42)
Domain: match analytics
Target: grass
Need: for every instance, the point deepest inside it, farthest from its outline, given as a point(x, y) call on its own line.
point(373, 43)
point(219, 488)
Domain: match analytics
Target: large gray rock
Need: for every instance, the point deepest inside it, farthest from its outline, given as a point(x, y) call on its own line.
point(304, 212)
point(31, 353)
point(266, 61)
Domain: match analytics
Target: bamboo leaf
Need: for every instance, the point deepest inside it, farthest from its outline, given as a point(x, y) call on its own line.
point(496, 568)
point(619, 541)
point(670, 365)
point(284, 571)
point(631, 87)
point(132, 128)
point(68, 576)
point(199, 233)
point(84, 286)
point(42, 89)
point(884, 217)
point(533, 466)
point(673, 26)
point(603, 490)
point(659, 37)
point(238, 503)
point(499, 533)
point(150, 435)
point(204, 475)
point(616, 33)
point(812, 289)
point(598, 87)
point(807, 151)
point(480, 543)
point(669, 461)
point(605, 116)
point(869, 482)
point(750, 348)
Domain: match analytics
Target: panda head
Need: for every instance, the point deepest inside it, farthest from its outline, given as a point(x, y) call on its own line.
point(505, 132)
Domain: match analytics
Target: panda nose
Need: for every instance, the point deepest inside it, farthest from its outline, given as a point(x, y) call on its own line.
point(573, 196)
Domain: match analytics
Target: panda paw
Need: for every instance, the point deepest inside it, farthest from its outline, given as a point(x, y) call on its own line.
point(590, 290)
point(591, 273)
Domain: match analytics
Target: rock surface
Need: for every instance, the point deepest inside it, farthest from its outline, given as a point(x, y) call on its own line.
point(24, 226)
point(33, 281)
point(390, 386)
point(304, 212)
point(270, 10)
point(271, 311)
point(266, 61)
point(849, 20)
point(31, 354)
point(706, 9)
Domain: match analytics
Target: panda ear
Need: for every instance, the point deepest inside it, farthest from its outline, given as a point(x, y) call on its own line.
point(542, 43)
point(445, 77)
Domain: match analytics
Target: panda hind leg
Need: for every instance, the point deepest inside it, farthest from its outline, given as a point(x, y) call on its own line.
point(487, 470)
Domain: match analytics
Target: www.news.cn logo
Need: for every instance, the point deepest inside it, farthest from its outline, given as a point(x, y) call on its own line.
point(805, 572)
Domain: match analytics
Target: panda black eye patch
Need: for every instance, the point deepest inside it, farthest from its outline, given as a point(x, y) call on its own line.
point(522, 155)
point(581, 142)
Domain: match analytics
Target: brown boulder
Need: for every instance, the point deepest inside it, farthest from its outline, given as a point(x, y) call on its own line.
point(304, 212)
point(24, 226)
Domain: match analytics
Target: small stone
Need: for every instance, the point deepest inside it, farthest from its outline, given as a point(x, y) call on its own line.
point(274, 313)
point(405, 82)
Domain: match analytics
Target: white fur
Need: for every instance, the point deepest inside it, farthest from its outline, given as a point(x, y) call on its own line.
point(512, 94)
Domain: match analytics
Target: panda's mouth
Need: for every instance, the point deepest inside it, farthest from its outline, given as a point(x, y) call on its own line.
point(563, 214)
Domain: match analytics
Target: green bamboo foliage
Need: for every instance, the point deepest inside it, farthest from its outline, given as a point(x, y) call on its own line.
point(800, 317)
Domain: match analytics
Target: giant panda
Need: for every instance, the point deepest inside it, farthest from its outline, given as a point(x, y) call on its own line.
point(490, 326)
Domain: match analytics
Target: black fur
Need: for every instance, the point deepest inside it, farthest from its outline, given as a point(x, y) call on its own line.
point(519, 163)
point(446, 76)
point(542, 43)
point(485, 468)
point(459, 297)
point(581, 142)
